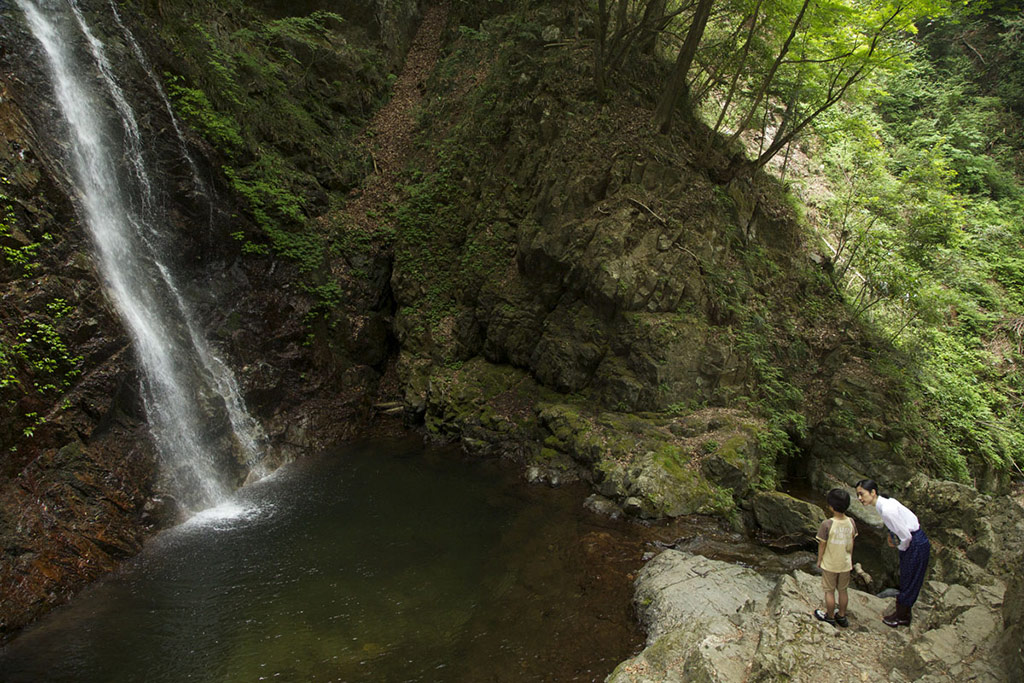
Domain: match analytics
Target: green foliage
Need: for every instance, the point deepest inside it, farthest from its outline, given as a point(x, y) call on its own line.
point(8, 366)
point(775, 446)
point(219, 66)
point(970, 414)
point(938, 111)
point(274, 206)
point(40, 346)
point(774, 397)
point(926, 229)
point(930, 214)
point(34, 350)
point(281, 101)
point(20, 258)
point(797, 58)
point(924, 219)
point(196, 110)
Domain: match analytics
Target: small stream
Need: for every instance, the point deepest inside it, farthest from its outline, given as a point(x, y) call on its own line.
point(384, 561)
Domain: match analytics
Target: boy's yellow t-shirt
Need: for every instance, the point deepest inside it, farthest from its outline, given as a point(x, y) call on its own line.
point(838, 535)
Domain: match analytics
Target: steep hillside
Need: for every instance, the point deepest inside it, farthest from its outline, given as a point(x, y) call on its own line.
point(563, 276)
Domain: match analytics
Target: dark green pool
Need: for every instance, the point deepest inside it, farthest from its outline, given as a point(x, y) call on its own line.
point(385, 561)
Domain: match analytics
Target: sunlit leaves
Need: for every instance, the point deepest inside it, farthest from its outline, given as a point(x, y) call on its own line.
point(805, 57)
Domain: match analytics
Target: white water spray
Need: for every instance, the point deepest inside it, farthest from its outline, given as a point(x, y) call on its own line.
point(190, 394)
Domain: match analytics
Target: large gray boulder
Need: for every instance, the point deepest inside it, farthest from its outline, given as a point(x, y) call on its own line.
point(974, 530)
point(784, 516)
point(708, 620)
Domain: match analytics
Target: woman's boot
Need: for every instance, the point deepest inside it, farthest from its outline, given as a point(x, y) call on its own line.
point(901, 617)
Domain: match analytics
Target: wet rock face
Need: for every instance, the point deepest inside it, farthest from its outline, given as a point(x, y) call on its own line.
point(76, 464)
point(69, 517)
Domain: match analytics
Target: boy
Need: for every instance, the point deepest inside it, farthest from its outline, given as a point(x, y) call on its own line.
point(835, 557)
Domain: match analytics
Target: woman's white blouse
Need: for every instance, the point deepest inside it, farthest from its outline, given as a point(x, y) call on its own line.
point(898, 519)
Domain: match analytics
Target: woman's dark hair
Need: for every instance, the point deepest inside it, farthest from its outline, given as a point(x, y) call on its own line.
point(838, 500)
point(868, 485)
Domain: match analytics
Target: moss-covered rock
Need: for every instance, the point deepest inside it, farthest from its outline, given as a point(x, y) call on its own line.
point(780, 514)
point(734, 463)
point(639, 461)
point(491, 405)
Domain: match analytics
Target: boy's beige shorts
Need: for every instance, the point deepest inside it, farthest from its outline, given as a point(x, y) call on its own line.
point(831, 581)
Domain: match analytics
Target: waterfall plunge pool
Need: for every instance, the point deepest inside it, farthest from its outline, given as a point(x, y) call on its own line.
point(381, 561)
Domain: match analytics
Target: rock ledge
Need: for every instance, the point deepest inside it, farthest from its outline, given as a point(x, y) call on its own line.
point(713, 621)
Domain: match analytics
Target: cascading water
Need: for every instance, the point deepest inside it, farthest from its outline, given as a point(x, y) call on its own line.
point(141, 57)
point(205, 437)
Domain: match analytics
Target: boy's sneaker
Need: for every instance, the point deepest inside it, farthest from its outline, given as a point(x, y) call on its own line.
point(842, 621)
point(820, 615)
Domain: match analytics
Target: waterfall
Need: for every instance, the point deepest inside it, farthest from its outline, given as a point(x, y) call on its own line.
point(141, 58)
point(205, 437)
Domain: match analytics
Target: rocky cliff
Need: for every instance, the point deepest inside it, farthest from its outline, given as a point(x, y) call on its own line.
point(581, 293)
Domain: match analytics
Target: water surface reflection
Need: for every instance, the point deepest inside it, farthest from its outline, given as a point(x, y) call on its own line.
point(385, 561)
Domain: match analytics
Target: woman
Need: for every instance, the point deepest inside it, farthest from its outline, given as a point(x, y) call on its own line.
point(906, 535)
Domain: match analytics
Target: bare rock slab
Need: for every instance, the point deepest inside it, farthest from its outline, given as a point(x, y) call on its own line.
point(709, 620)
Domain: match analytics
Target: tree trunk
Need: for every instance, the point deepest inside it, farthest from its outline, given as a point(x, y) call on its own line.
point(676, 85)
point(739, 69)
point(653, 17)
point(771, 73)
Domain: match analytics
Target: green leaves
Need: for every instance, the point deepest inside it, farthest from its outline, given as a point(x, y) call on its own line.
point(926, 222)
point(195, 108)
point(803, 58)
point(20, 257)
point(34, 350)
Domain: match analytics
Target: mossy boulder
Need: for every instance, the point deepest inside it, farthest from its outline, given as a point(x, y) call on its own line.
point(783, 515)
point(636, 460)
point(733, 464)
point(669, 484)
point(487, 406)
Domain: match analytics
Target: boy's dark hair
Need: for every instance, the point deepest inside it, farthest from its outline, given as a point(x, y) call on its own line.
point(838, 500)
point(867, 485)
